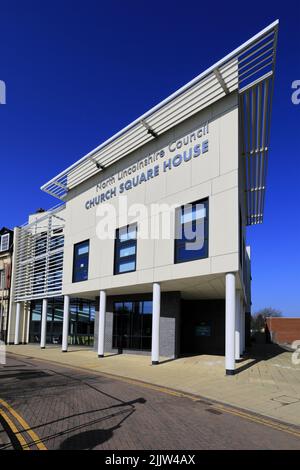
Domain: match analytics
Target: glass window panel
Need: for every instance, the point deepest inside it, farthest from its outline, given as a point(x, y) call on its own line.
point(80, 275)
point(92, 312)
point(129, 266)
point(191, 240)
point(36, 309)
point(4, 242)
point(136, 342)
point(193, 237)
point(49, 315)
point(81, 262)
point(128, 306)
point(127, 233)
point(146, 343)
point(127, 251)
point(190, 255)
point(118, 306)
point(58, 314)
point(131, 325)
point(190, 213)
point(136, 324)
point(147, 309)
point(82, 250)
point(84, 313)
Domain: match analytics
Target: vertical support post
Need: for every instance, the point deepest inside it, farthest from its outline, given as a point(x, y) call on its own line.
point(155, 323)
point(66, 323)
point(101, 324)
point(23, 334)
point(230, 324)
point(44, 323)
point(28, 325)
point(237, 326)
point(17, 323)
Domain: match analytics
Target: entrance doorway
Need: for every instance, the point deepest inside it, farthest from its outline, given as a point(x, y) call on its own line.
point(202, 327)
point(132, 325)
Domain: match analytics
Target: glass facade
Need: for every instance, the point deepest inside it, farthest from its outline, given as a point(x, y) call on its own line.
point(191, 240)
point(132, 325)
point(81, 327)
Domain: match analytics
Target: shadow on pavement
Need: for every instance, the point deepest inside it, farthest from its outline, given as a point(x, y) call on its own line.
point(88, 440)
point(259, 351)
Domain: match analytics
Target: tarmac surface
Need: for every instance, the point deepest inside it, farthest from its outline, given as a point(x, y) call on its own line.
point(48, 406)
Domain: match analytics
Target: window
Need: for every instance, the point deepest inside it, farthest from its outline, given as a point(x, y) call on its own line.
point(81, 261)
point(125, 249)
point(191, 240)
point(81, 326)
point(132, 325)
point(4, 245)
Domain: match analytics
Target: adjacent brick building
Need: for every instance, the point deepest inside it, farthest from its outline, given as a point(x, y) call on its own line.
point(6, 246)
point(283, 330)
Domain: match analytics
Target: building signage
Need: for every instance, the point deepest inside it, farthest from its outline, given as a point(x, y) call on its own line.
point(204, 329)
point(178, 152)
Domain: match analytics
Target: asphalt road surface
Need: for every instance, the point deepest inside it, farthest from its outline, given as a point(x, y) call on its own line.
point(46, 406)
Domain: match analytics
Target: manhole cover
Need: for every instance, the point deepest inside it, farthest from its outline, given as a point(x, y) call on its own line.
point(286, 400)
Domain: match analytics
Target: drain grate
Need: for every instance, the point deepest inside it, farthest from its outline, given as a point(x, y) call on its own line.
point(204, 402)
point(213, 411)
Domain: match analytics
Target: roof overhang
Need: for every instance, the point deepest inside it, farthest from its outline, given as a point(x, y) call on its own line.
point(248, 70)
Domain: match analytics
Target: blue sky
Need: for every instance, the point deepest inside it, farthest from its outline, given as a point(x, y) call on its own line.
point(77, 72)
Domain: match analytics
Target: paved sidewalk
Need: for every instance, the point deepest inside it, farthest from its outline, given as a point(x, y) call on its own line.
point(267, 382)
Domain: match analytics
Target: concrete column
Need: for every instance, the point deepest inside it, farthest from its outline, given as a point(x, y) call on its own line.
point(23, 336)
point(155, 323)
point(237, 326)
point(28, 326)
point(17, 323)
point(44, 323)
point(65, 332)
point(230, 324)
point(101, 324)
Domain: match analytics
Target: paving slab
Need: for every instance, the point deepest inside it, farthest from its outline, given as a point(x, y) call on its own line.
point(260, 381)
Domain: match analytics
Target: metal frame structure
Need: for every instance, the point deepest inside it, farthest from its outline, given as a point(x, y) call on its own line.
point(248, 70)
point(255, 104)
point(39, 248)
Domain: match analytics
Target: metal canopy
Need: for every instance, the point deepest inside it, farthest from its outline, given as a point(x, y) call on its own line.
point(249, 70)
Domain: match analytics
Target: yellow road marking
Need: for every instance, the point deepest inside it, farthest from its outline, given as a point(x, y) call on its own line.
point(140, 383)
point(15, 430)
point(256, 419)
point(36, 440)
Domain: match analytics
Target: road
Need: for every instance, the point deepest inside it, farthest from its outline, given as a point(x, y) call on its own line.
point(47, 406)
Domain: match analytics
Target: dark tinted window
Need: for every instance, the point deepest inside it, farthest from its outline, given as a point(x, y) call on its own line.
point(125, 249)
point(191, 236)
point(81, 261)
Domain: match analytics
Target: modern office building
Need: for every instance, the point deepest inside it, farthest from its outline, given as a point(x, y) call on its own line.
point(6, 251)
point(146, 252)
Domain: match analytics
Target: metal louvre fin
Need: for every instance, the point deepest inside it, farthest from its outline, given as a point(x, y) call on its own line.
point(255, 104)
point(39, 250)
point(239, 70)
